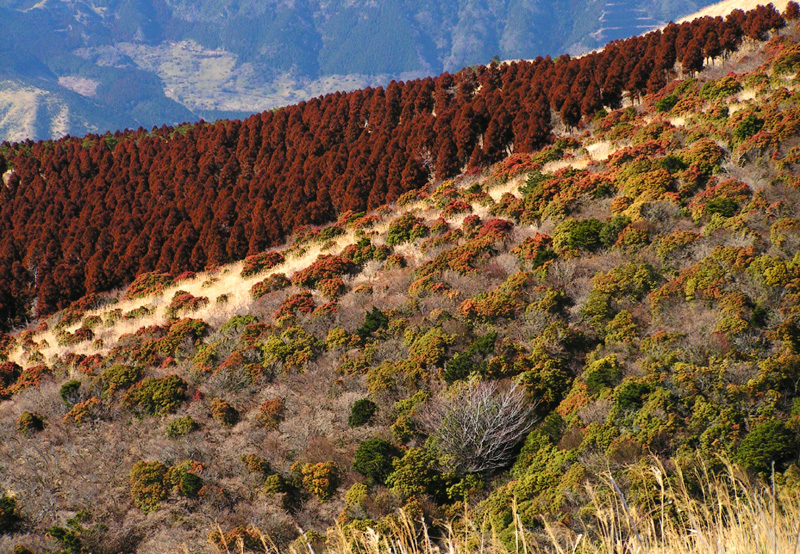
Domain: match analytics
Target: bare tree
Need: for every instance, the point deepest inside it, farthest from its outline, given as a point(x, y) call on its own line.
point(478, 428)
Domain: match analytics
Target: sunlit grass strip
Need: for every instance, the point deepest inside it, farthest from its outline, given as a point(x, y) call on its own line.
point(730, 514)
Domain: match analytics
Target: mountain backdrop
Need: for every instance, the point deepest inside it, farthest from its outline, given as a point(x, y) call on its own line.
point(74, 67)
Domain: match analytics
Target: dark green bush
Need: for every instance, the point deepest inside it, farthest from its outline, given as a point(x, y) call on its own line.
point(70, 392)
point(768, 442)
point(748, 126)
point(458, 367)
point(574, 234)
point(182, 479)
point(68, 539)
point(612, 228)
point(603, 373)
point(406, 228)
point(373, 320)
point(373, 459)
point(673, 163)
point(463, 363)
point(29, 423)
point(630, 395)
point(238, 322)
point(726, 207)
point(667, 103)
point(9, 518)
point(361, 413)
point(534, 183)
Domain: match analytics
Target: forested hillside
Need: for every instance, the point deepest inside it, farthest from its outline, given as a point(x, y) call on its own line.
point(591, 344)
point(84, 215)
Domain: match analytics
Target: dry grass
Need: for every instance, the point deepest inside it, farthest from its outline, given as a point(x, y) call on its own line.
point(728, 513)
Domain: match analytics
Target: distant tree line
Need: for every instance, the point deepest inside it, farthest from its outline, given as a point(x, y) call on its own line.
point(85, 215)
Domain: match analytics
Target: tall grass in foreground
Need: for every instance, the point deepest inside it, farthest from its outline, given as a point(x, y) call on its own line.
point(725, 513)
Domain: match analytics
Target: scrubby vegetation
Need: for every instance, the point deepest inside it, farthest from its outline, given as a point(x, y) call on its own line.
point(592, 347)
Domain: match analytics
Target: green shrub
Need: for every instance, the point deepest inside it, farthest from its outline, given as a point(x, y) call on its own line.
point(374, 457)
point(458, 367)
point(415, 474)
point(430, 349)
point(705, 155)
point(406, 228)
point(237, 323)
point(147, 485)
point(534, 184)
point(156, 396)
point(361, 413)
point(462, 364)
point(605, 372)
point(373, 320)
point(294, 348)
point(29, 423)
point(70, 392)
point(726, 207)
point(768, 442)
point(612, 228)
point(788, 61)
point(749, 126)
point(630, 395)
point(666, 103)
point(404, 427)
point(673, 163)
point(720, 88)
point(69, 538)
point(120, 377)
point(183, 479)
point(180, 427)
point(573, 234)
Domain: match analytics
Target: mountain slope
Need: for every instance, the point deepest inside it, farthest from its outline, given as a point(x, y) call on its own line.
point(628, 290)
point(83, 215)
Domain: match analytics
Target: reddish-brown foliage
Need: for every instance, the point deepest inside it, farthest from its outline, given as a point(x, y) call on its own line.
point(86, 215)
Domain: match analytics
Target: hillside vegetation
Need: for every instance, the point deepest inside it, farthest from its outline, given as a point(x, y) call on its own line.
point(84, 215)
point(588, 342)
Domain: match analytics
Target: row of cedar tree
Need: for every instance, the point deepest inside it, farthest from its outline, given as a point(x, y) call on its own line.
point(85, 215)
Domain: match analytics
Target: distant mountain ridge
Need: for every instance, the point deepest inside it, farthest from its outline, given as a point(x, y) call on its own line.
point(150, 62)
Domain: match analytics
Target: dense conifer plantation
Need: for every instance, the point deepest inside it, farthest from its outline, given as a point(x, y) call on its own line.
point(84, 215)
